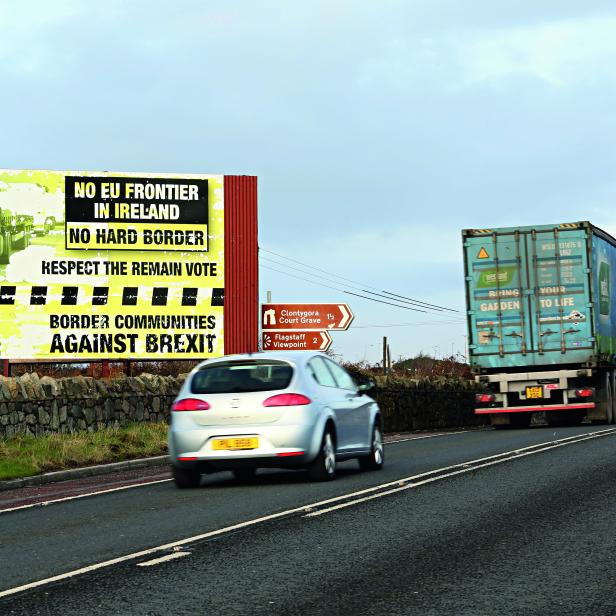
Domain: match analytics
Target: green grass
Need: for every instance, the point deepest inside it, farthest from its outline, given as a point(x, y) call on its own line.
point(23, 456)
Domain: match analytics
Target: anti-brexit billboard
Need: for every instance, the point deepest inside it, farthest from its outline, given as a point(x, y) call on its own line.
point(102, 265)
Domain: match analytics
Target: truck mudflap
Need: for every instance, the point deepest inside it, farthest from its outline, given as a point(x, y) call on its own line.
point(535, 408)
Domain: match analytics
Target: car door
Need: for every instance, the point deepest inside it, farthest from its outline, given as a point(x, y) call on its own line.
point(335, 398)
point(355, 408)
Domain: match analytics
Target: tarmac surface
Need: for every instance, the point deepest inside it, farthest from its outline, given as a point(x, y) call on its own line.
point(527, 532)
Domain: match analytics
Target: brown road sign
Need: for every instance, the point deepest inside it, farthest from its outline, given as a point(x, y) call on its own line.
point(299, 341)
point(336, 317)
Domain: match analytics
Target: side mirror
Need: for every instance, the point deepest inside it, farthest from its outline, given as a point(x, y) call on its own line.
point(364, 387)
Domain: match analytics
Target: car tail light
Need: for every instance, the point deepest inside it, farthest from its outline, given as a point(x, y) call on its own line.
point(287, 400)
point(484, 398)
point(585, 393)
point(190, 404)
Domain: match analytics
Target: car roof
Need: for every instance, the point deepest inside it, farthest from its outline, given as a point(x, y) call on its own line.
point(294, 357)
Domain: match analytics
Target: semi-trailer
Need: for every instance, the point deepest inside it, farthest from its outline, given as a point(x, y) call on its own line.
point(541, 313)
point(15, 231)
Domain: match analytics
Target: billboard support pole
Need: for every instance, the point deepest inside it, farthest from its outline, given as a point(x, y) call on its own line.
point(105, 367)
point(6, 367)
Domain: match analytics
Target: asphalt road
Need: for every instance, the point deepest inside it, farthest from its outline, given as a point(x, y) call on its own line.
point(530, 535)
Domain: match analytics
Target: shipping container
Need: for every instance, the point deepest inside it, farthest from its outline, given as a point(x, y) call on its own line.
point(541, 309)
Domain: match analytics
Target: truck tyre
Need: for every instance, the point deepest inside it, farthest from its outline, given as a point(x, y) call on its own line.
point(24, 242)
point(5, 250)
point(558, 419)
point(605, 399)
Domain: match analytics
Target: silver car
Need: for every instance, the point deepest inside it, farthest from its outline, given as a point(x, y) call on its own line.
point(272, 410)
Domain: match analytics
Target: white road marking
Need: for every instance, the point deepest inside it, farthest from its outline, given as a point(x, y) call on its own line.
point(416, 438)
point(150, 483)
point(466, 468)
point(76, 496)
point(163, 559)
point(303, 509)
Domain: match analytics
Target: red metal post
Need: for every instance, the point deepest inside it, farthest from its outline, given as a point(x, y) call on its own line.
point(241, 265)
point(105, 368)
point(6, 367)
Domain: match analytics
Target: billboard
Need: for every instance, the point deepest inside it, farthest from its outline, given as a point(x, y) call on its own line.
point(110, 265)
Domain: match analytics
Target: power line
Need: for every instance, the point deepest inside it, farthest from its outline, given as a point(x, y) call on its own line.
point(417, 324)
point(342, 290)
point(416, 301)
point(303, 271)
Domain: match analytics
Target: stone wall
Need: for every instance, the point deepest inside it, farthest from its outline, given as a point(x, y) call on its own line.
point(33, 405)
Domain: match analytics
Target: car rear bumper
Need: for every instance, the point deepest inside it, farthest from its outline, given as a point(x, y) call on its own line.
point(278, 446)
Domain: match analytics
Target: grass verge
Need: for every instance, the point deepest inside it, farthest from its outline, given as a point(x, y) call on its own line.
point(24, 456)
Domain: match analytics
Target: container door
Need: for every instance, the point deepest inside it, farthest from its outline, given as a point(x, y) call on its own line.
point(497, 287)
point(561, 312)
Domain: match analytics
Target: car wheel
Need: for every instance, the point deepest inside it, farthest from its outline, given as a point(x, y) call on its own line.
point(186, 478)
point(324, 466)
point(245, 474)
point(375, 459)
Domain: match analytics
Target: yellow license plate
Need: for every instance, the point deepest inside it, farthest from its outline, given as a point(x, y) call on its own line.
point(534, 392)
point(233, 444)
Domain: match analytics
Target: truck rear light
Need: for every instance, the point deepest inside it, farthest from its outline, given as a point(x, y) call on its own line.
point(190, 404)
point(287, 400)
point(484, 398)
point(585, 393)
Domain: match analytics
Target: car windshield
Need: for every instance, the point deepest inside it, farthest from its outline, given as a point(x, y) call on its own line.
point(236, 377)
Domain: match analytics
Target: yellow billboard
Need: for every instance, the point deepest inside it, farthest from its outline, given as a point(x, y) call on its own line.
point(102, 265)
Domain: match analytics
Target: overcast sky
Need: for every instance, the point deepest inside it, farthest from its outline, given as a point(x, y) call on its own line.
point(378, 129)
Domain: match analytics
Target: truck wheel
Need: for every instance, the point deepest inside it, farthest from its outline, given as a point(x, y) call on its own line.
point(24, 242)
point(5, 250)
point(605, 400)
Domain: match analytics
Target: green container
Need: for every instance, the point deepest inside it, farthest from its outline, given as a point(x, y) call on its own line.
point(540, 296)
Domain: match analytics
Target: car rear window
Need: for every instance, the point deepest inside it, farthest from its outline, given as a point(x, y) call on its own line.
point(237, 377)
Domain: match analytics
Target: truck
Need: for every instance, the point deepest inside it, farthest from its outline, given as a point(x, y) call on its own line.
point(541, 315)
point(15, 233)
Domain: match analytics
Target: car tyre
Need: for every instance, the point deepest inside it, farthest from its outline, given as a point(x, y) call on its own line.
point(324, 466)
point(375, 459)
point(186, 478)
point(244, 475)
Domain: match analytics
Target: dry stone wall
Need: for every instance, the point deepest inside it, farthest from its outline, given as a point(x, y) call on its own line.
point(33, 405)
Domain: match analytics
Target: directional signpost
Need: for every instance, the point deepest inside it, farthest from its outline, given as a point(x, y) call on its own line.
point(335, 317)
point(302, 326)
point(302, 341)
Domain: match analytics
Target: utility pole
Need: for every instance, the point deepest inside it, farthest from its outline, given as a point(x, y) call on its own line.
point(385, 353)
point(269, 297)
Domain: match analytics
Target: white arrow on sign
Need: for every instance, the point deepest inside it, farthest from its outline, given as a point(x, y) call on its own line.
point(346, 315)
point(326, 341)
